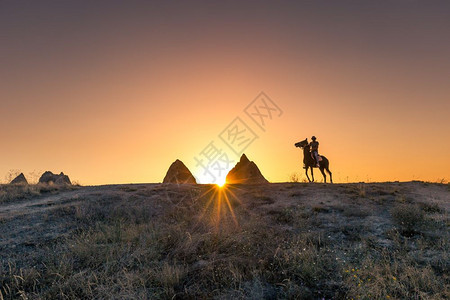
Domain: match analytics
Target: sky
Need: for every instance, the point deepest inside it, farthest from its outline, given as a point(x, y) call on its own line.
point(115, 91)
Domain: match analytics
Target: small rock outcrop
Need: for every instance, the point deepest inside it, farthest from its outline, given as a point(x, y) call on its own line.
point(49, 178)
point(179, 173)
point(20, 179)
point(246, 172)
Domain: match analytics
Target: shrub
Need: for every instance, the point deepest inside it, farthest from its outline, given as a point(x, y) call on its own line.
point(294, 177)
point(409, 218)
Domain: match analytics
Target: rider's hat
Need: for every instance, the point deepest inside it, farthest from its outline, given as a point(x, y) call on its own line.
point(313, 138)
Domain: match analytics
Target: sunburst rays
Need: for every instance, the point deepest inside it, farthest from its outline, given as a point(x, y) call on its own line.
point(219, 205)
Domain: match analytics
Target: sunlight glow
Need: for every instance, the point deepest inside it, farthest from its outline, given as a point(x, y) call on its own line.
point(221, 182)
point(204, 177)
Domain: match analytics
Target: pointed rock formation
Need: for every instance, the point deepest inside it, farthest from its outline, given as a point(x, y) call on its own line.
point(246, 172)
point(49, 178)
point(19, 179)
point(179, 173)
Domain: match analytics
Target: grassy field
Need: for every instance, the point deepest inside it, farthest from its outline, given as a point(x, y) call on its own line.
point(274, 241)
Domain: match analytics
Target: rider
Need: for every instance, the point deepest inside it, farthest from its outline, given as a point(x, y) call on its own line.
point(315, 150)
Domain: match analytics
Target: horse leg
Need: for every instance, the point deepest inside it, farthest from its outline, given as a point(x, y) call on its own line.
point(331, 178)
point(312, 173)
point(306, 171)
point(324, 176)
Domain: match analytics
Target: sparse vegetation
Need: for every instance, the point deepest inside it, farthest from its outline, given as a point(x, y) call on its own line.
point(16, 192)
point(409, 218)
point(392, 276)
point(361, 190)
point(442, 181)
point(11, 175)
point(294, 177)
point(430, 207)
point(176, 242)
point(356, 211)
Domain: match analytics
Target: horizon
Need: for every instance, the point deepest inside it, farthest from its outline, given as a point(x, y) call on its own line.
point(113, 93)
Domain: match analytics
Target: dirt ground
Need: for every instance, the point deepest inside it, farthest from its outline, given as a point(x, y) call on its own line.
point(344, 219)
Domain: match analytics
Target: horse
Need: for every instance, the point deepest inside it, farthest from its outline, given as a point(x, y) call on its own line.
point(310, 162)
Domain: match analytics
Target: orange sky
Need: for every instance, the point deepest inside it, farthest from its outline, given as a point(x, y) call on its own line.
point(115, 92)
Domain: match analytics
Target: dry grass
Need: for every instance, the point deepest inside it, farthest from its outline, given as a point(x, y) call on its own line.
point(391, 276)
point(169, 242)
point(294, 178)
point(16, 192)
point(409, 218)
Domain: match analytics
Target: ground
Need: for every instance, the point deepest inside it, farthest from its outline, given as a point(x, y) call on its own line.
point(272, 241)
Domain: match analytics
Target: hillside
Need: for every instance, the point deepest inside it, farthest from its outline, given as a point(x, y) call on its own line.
point(285, 241)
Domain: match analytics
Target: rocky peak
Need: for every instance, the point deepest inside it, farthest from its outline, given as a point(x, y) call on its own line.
point(20, 179)
point(246, 172)
point(179, 173)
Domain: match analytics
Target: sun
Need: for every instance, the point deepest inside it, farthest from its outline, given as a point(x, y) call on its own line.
point(221, 182)
point(209, 176)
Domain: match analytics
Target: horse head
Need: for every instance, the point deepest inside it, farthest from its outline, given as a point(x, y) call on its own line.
point(302, 144)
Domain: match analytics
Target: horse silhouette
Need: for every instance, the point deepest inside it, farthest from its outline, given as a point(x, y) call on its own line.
point(311, 163)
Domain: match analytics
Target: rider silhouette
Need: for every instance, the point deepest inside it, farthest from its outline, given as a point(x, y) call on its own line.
point(315, 150)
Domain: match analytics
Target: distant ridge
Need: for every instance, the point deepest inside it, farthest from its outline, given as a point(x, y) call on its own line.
point(246, 172)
